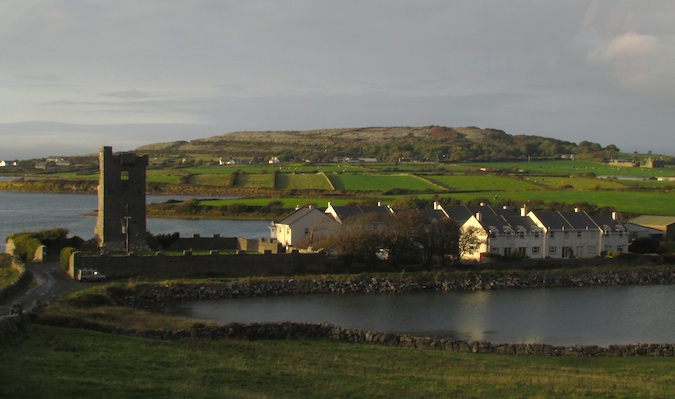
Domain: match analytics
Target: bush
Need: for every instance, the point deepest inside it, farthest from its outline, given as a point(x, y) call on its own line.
point(64, 258)
point(25, 246)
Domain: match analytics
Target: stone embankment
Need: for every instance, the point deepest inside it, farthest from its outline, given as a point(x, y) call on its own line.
point(149, 295)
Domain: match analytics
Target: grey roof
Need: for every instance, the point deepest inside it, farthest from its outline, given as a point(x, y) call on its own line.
point(651, 220)
point(297, 215)
point(346, 211)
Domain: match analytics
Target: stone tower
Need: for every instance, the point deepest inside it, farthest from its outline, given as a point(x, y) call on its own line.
point(120, 225)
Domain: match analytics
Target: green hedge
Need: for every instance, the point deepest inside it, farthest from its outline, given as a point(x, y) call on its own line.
point(64, 258)
point(27, 243)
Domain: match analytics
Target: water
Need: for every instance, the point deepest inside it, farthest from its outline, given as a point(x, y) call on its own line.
point(558, 316)
point(37, 211)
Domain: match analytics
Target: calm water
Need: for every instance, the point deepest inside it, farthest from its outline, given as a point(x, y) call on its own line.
point(560, 316)
point(37, 211)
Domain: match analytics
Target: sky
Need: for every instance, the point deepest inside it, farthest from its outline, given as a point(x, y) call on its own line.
point(79, 74)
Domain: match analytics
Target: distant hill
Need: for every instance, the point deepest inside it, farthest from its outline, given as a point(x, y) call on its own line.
point(387, 144)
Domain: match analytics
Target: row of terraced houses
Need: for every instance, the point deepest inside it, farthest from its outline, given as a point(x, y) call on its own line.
point(535, 234)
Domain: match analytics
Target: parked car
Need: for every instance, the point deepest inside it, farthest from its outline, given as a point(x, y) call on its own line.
point(90, 275)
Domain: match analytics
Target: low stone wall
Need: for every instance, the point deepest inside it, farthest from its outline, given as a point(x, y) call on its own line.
point(239, 265)
point(198, 243)
point(286, 330)
point(149, 295)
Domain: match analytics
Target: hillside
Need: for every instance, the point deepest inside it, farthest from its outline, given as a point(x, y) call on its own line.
point(387, 144)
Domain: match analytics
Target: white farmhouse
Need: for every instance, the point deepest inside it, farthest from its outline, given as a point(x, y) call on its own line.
point(303, 227)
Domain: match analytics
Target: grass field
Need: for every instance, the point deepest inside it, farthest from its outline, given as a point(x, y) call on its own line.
point(635, 202)
point(577, 183)
point(304, 181)
point(367, 182)
point(65, 363)
point(483, 183)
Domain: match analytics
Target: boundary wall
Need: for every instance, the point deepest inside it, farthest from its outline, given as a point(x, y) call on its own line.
point(187, 265)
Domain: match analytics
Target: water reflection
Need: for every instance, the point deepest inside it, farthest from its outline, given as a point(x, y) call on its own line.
point(561, 316)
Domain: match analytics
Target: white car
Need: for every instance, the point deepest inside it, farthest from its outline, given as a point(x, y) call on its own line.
point(90, 275)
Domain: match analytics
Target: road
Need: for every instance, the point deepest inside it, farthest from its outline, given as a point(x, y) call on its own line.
point(49, 283)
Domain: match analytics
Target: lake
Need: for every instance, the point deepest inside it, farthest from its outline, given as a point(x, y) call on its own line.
point(37, 211)
point(554, 316)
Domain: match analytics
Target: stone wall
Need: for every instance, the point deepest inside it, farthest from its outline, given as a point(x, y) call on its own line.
point(149, 295)
point(239, 265)
point(199, 243)
point(287, 330)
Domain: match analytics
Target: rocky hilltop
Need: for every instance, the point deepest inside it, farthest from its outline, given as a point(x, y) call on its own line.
point(384, 143)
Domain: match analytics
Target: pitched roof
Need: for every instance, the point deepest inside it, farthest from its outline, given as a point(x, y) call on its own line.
point(345, 212)
point(297, 215)
point(650, 220)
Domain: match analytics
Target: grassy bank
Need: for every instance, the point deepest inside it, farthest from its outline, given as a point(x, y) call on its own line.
point(64, 363)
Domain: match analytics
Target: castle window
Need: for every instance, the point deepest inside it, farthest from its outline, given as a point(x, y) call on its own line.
point(124, 175)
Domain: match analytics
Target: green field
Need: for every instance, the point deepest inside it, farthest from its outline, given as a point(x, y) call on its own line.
point(367, 182)
point(304, 181)
point(483, 183)
point(634, 202)
point(626, 189)
point(66, 363)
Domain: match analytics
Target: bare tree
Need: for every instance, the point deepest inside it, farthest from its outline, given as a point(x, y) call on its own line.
point(356, 239)
point(404, 236)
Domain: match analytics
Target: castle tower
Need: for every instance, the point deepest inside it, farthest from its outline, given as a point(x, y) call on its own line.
point(120, 225)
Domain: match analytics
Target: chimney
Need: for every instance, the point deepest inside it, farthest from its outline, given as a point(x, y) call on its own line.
point(297, 207)
point(523, 210)
point(576, 209)
point(310, 206)
point(436, 205)
point(614, 215)
point(379, 203)
point(479, 216)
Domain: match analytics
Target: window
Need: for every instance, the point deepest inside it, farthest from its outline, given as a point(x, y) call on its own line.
point(536, 234)
point(592, 234)
point(306, 230)
point(578, 234)
point(567, 252)
point(522, 250)
point(552, 250)
point(535, 250)
point(124, 175)
point(619, 248)
point(507, 251)
point(566, 235)
point(552, 234)
point(591, 250)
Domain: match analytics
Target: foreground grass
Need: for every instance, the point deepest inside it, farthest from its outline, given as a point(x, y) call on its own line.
point(64, 363)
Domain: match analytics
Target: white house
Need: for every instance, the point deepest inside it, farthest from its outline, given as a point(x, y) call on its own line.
point(539, 234)
point(303, 226)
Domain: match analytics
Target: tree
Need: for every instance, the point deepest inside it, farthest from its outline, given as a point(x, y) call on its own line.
point(469, 241)
point(445, 235)
point(356, 239)
point(404, 236)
